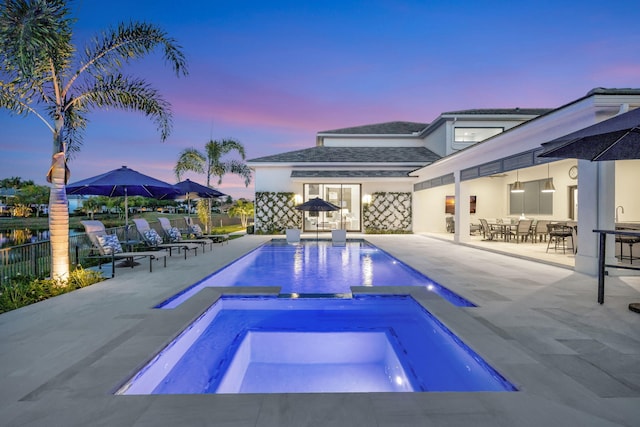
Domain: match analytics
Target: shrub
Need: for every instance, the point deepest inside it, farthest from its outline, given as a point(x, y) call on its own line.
point(25, 290)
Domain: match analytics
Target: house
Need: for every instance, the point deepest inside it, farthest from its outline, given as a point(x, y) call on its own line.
point(487, 171)
point(409, 177)
point(366, 171)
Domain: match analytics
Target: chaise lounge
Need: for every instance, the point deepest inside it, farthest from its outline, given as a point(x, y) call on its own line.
point(195, 229)
point(154, 241)
point(108, 246)
point(174, 235)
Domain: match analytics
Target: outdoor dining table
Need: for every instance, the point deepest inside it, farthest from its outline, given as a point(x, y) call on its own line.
point(505, 229)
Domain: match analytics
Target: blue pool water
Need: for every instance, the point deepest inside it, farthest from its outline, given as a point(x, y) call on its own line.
point(307, 345)
point(317, 268)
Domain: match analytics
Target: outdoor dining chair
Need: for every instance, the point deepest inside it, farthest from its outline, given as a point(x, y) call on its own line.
point(523, 230)
point(488, 232)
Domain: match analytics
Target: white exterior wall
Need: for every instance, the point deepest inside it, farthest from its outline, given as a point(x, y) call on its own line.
point(436, 141)
point(273, 179)
point(370, 187)
point(627, 195)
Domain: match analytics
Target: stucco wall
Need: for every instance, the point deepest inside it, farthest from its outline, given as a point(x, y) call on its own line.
point(273, 179)
point(492, 197)
point(627, 192)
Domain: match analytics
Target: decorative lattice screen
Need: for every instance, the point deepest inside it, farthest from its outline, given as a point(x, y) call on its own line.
point(388, 213)
point(275, 212)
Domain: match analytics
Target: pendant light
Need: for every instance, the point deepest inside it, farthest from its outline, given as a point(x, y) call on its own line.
point(517, 186)
point(548, 185)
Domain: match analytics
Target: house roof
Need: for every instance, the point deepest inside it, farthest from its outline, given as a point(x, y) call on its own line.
point(501, 111)
point(373, 173)
point(322, 154)
point(387, 128)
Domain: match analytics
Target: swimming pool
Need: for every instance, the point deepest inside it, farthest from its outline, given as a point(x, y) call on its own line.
point(308, 345)
point(317, 268)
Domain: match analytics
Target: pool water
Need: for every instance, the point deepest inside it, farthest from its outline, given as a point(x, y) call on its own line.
point(309, 345)
point(317, 268)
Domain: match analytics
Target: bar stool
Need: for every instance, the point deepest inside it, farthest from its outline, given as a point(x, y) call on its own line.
point(630, 240)
point(559, 233)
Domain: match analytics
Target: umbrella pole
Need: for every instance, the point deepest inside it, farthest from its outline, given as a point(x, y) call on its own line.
point(126, 215)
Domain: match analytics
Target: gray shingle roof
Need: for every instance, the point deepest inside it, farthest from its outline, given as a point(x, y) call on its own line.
point(350, 174)
point(387, 128)
point(322, 154)
point(505, 111)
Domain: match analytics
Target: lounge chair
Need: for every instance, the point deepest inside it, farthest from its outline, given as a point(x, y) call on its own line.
point(173, 235)
point(293, 235)
point(108, 246)
point(196, 230)
point(339, 237)
point(154, 241)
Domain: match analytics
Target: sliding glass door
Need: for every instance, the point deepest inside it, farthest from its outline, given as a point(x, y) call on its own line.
point(345, 196)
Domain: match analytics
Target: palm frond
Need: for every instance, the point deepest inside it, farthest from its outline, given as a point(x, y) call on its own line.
point(127, 42)
point(34, 37)
point(239, 168)
point(75, 123)
point(189, 159)
point(125, 93)
point(18, 101)
point(217, 148)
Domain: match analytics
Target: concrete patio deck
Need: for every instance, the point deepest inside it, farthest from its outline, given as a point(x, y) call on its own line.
point(574, 361)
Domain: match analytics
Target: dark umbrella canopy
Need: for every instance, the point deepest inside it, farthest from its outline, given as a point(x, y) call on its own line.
point(617, 138)
point(193, 189)
point(317, 205)
point(190, 190)
point(124, 182)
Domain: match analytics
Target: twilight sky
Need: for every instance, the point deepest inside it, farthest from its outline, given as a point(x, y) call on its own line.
point(274, 73)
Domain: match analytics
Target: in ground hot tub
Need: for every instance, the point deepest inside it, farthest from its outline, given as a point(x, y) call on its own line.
point(308, 345)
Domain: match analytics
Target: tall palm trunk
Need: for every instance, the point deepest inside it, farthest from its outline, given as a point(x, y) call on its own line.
point(208, 227)
point(59, 208)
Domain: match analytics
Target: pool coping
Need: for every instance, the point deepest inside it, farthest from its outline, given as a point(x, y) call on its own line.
point(61, 358)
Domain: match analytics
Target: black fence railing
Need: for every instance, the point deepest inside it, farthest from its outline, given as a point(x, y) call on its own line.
point(34, 259)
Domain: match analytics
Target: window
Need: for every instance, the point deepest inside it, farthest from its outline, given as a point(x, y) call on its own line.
point(345, 196)
point(533, 201)
point(463, 137)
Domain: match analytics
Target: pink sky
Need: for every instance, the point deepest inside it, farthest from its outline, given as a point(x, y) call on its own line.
point(273, 74)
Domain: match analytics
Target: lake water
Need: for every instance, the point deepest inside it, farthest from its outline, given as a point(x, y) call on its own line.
point(22, 236)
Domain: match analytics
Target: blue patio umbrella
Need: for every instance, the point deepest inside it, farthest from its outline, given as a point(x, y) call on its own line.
point(190, 190)
point(124, 182)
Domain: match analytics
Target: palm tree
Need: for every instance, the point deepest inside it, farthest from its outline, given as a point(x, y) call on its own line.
point(42, 73)
point(210, 163)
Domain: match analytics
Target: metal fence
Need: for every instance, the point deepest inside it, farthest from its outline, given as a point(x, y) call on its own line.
point(34, 259)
